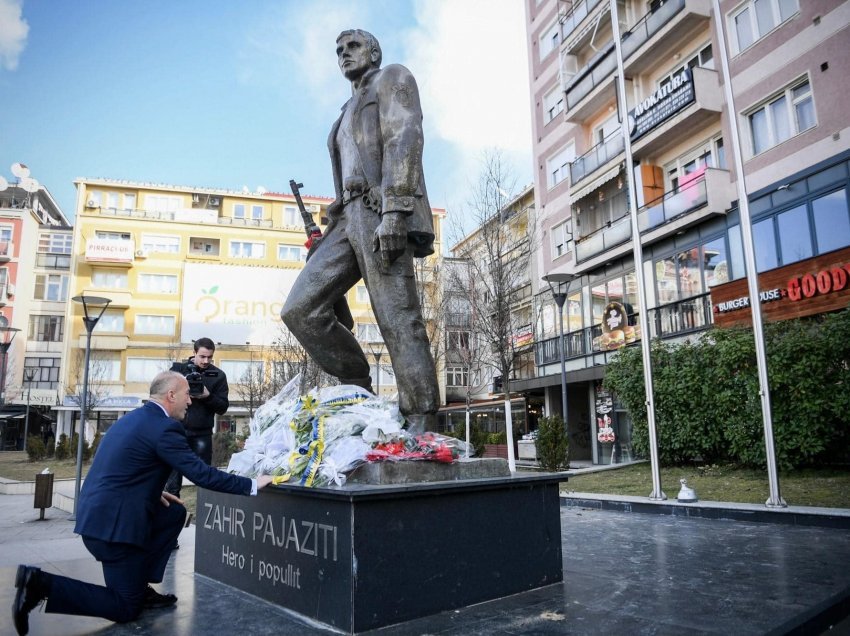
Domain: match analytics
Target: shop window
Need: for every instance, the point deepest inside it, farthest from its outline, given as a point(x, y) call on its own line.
point(715, 263)
point(795, 241)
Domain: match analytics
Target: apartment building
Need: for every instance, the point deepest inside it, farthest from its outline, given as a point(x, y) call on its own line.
point(179, 263)
point(788, 63)
point(35, 248)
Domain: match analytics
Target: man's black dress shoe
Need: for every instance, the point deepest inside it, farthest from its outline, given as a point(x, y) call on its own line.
point(32, 590)
point(155, 600)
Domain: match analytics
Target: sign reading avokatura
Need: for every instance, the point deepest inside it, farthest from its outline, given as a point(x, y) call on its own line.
point(665, 102)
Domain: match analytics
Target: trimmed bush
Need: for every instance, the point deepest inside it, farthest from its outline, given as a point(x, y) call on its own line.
point(36, 449)
point(63, 448)
point(552, 443)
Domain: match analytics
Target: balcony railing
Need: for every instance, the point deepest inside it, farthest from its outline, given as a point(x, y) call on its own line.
point(613, 234)
point(674, 203)
point(683, 316)
point(649, 25)
point(600, 68)
point(572, 18)
point(53, 261)
point(597, 156)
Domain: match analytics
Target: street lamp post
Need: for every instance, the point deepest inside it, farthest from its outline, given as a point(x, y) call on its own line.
point(7, 335)
point(92, 303)
point(29, 374)
point(560, 293)
point(251, 384)
point(377, 350)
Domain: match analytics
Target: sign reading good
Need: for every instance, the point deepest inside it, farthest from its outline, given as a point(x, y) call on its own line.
point(814, 286)
point(668, 100)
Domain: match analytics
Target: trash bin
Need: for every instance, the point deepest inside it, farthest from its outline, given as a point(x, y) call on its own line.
point(43, 492)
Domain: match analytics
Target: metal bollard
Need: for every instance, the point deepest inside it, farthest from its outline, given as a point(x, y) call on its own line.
point(43, 492)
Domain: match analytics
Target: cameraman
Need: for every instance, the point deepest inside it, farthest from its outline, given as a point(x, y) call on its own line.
point(200, 416)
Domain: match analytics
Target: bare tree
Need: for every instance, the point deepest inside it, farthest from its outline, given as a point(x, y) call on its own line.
point(496, 256)
point(98, 375)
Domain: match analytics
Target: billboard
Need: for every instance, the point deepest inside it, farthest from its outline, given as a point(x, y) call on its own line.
point(233, 304)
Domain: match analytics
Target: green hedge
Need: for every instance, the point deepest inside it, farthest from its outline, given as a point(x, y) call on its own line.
point(707, 394)
point(552, 443)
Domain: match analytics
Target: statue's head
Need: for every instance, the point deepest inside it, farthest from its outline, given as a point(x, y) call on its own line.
point(357, 51)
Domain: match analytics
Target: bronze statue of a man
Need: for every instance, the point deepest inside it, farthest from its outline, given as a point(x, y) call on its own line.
point(379, 222)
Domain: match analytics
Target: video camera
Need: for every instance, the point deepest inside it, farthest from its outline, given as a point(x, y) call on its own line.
point(194, 378)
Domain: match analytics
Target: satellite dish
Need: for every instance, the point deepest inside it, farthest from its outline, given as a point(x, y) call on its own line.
point(261, 190)
point(3, 184)
point(245, 189)
point(29, 184)
point(20, 170)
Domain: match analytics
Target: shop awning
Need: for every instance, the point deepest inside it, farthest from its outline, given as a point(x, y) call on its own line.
point(595, 184)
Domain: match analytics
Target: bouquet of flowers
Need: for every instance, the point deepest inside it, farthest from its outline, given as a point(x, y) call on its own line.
point(316, 439)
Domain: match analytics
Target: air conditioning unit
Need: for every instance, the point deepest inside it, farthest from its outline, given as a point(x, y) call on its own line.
point(91, 203)
point(215, 201)
point(10, 289)
point(141, 253)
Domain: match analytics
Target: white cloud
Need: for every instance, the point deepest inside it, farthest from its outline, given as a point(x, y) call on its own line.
point(13, 33)
point(471, 64)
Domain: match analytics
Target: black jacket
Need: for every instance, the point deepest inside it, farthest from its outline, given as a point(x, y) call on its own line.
point(200, 417)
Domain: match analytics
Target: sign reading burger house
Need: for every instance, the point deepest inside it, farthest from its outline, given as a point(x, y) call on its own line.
point(810, 287)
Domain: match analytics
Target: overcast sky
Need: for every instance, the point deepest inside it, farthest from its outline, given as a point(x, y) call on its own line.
point(232, 94)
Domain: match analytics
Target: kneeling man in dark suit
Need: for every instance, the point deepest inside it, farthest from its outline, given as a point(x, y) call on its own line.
point(125, 519)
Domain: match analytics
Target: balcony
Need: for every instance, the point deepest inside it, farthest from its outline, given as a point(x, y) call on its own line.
point(708, 192)
point(595, 158)
point(602, 241)
point(662, 32)
point(588, 89)
point(7, 250)
point(671, 120)
point(572, 19)
point(53, 261)
point(681, 317)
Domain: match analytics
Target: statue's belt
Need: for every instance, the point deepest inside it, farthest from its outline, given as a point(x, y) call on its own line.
point(359, 188)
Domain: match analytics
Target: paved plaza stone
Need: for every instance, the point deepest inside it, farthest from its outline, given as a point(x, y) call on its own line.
point(624, 573)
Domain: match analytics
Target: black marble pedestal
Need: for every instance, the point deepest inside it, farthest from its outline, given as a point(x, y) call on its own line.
point(362, 557)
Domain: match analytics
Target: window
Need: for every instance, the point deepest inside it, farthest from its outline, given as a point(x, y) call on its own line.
point(679, 276)
point(291, 252)
point(52, 287)
point(158, 283)
point(110, 322)
point(764, 239)
point(129, 201)
point(688, 167)
point(46, 328)
point(362, 294)
point(240, 371)
point(247, 249)
point(457, 340)
point(106, 367)
point(157, 325)
point(795, 239)
point(256, 212)
point(144, 369)
point(558, 167)
point(54, 243)
point(702, 58)
point(550, 39)
point(113, 236)
point(162, 203)
point(46, 372)
point(784, 116)
point(715, 263)
point(112, 200)
point(387, 376)
point(290, 215)
point(456, 376)
point(832, 221)
point(560, 239)
point(238, 211)
point(94, 197)
point(368, 332)
point(161, 243)
point(756, 18)
point(109, 279)
point(553, 104)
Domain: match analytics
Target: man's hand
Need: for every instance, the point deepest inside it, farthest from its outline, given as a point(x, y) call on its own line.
point(391, 237)
point(263, 481)
point(166, 498)
point(202, 396)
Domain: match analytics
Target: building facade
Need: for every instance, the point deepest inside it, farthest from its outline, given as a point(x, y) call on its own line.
point(787, 61)
point(180, 263)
